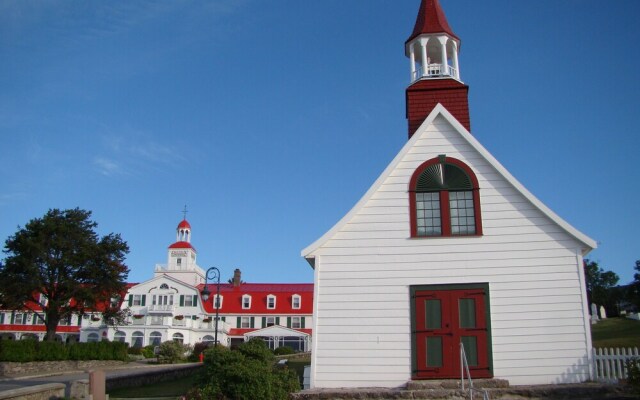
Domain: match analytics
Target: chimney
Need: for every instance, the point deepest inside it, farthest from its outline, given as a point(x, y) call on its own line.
point(236, 277)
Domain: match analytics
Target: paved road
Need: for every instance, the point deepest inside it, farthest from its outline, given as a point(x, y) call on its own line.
point(68, 377)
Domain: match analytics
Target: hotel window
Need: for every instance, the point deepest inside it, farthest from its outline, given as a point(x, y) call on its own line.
point(217, 303)
point(295, 301)
point(245, 322)
point(271, 302)
point(444, 199)
point(246, 301)
point(270, 321)
point(296, 322)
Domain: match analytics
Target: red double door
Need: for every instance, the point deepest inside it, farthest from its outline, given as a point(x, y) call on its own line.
point(443, 320)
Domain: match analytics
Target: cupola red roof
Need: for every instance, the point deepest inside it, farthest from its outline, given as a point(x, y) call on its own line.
point(184, 224)
point(182, 245)
point(431, 19)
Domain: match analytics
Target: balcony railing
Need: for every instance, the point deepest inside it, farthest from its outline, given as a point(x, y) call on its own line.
point(434, 70)
point(161, 308)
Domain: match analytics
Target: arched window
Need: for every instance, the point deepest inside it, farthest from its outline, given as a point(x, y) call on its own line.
point(137, 338)
point(93, 337)
point(208, 339)
point(119, 337)
point(246, 301)
point(444, 199)
point(271, 302)
point(155, 338)
point(178, 337)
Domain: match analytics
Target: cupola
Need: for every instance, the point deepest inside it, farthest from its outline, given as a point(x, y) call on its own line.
point(433, 51)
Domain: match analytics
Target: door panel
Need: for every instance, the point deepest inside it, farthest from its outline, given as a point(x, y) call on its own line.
point(443, 320)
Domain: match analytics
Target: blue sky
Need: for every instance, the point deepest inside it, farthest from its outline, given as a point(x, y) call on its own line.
point(270, 119)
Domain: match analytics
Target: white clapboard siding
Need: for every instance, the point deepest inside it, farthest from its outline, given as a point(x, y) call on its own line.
point(367, 263)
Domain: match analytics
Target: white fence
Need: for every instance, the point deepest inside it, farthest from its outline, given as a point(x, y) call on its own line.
point(609, 364)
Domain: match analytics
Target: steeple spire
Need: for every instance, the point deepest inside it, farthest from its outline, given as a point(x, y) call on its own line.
point(431, 19)
point(433, 50)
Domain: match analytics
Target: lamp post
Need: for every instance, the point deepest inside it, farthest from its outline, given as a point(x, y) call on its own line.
point(213, 273)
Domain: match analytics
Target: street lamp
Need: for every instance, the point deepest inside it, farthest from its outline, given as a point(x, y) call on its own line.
point(213, 273)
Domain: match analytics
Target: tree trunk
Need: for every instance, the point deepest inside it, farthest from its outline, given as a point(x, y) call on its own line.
point(51, 323)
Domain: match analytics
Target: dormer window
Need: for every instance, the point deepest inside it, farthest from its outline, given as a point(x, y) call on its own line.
point(246, 302)
point(271, 302)
point(444, 199)
point(295, 301)
point(217, 301)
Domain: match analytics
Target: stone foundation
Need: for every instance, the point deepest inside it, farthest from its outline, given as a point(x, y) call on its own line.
point(11, 369)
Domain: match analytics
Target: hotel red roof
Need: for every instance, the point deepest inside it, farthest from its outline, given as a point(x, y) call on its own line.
point(431, 19)
point(283, 292)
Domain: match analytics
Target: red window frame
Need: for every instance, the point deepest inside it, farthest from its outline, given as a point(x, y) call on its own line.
point(445, 215)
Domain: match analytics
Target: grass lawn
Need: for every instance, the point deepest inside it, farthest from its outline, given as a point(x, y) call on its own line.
point(616, 332)
point(176, 388)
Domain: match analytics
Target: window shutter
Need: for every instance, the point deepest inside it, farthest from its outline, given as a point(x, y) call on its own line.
point(239, 322)
point(288, 322)
point(144, 297)
point(130, 300)
point(34, 320)
point(195, 300)
point(252, 322)
point(224, 319)
point(277, 320)
point(302, 322)
point(13, 318)
point(181, 300)
point(1, 318)
point(264, 322)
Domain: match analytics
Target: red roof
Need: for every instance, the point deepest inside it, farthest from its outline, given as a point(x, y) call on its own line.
point(37, 328)
point(283, 292)
point(182, 245)
point(431, 19)
point(184, 224)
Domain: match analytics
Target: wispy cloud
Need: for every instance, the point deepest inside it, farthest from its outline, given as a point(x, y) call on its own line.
point(7, 198)
point(108, 167)
point(131, 153)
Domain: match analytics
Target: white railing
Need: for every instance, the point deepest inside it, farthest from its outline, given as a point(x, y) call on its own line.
point(161, 307)
point(433, 70)
point(609, 365)
point(464, 367)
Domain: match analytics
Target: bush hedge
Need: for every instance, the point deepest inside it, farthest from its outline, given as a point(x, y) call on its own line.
point(31, 350)
point(246, 373)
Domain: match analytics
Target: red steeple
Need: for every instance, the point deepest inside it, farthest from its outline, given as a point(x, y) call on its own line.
point(433, 50)
point(431, 19)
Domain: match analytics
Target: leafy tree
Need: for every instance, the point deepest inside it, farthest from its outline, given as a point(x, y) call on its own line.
point(599, 285)
point(59, 264)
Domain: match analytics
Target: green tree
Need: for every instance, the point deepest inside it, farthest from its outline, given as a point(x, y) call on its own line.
point(600, 284)
point(59, 264)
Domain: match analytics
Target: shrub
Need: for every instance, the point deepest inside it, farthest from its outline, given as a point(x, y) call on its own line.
point(171, 352)
point(246, 373)
point(52, 351)
point(283, 351)
point(633, 373)
point(31, 350)
point(136, 351)
point(198, 349)
point(18, 350)
point(147, 351)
